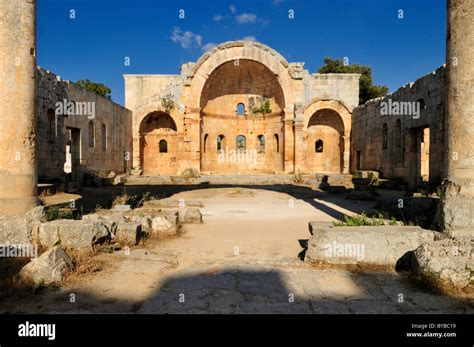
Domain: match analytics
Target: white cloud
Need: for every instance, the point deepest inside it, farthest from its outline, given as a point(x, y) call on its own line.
point(208, 46)
point(249, 38)
point(245, 18)
point(232, 9)
point(186, 39)
point(217, 18)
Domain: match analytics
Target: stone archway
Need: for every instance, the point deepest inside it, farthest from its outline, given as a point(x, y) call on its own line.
point(158, 144)
point(325, 142)
point(235, 52)
point(249, 56)
point(228, 100)
point(327, 128)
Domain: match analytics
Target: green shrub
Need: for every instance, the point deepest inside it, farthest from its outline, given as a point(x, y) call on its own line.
point(53, 213)
point(364, 220)
point(265, 108)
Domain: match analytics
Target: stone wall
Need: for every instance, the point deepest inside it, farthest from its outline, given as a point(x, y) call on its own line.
point(206, 94)
point(404, 145)
point(78, 142)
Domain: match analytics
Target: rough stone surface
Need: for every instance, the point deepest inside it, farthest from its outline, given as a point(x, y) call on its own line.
point(20, 228)
point(192, 216)
point(101, 141)
point(378, 245)
point(446, 264)
point(18, 148)
point(76, 234)
point(128, 233)
point(162, 227)
point(379, 142)
point(47, 268)
point(145, 222)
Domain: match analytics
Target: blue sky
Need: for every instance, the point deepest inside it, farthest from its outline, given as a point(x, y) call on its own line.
point(94, 44)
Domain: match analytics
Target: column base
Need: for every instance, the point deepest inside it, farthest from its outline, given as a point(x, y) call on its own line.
point(17, 206)
point(456, 206)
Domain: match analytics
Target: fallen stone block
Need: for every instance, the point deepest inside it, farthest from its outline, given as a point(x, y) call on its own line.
point(128, 233)
point(370, 245)
point(145, 223)
point(447, 265)
point(76, 234)
point(162, 227)
point(22, 228)
point(193, 216)
point(49, 267)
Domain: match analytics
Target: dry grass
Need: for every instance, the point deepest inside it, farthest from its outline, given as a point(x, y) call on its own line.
point(84, 264)
point(9, 282)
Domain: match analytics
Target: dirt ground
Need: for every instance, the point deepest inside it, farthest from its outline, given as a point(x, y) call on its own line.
point(244, 258)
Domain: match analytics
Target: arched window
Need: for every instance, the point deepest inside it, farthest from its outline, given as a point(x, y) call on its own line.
point(91, 134)
point(277, 143)
point(204, 145)
point(104, 137)
point(385, 136)
point(240, 109)
point(261, 144)
point(398, 133)
point(51, 125)
point(220, 143)
point(319, 146)
point(240, 143)
point(163, 146)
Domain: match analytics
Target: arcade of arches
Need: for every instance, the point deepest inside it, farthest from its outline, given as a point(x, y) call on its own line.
point(242, 109)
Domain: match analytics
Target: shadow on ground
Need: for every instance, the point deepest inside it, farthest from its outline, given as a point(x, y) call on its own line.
point(244, 290)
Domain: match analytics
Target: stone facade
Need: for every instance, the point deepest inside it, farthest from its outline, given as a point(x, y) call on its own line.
point(404, 143)
point(78, 142)
point(241, 109)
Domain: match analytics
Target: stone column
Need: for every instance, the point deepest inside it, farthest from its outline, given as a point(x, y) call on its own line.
point(298, 130)
point(288, 149)
point(18, 181)
point(190, 158)
point(456, 210)
point(346, 153)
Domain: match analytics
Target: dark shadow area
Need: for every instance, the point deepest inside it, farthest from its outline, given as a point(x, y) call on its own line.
point(304, 245)
point(259, 291)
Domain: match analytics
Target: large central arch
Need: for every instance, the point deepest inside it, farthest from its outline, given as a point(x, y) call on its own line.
point(234, 52)
point(244, 75)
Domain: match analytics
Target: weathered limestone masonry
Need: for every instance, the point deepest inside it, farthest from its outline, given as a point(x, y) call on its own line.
point(406, 145)
point(457, 201)
point(81, 142)
point(306, 127)
point(17, 106)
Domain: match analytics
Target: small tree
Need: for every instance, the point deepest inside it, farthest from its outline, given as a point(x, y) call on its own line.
point(167, 102)
point(265, 108)
point(98, 88)
point(367, 90)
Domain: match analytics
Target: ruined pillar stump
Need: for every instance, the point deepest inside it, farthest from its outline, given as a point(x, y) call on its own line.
point(456, 210)
point(18, 182)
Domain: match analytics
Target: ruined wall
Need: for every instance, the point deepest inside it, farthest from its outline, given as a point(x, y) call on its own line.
point(206, 94)
point(97, 152)
point(341, 87)
point(400, 150)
